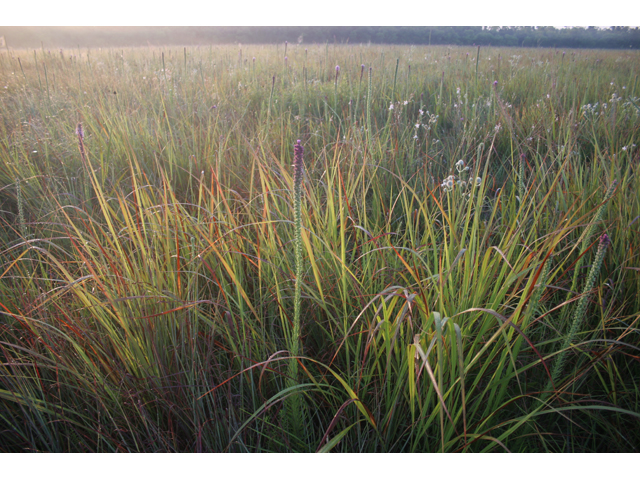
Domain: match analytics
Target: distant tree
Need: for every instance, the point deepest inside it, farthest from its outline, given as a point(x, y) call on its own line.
point(484, 38)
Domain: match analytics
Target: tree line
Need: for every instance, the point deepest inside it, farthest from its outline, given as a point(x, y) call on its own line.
point(614, 37)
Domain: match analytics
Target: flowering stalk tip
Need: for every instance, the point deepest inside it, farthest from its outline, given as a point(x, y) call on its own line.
point(298, 163)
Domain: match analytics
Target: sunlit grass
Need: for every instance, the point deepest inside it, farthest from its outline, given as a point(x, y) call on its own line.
point(148, 272)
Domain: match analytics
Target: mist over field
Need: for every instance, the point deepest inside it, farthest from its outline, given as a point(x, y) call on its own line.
point(614, 37)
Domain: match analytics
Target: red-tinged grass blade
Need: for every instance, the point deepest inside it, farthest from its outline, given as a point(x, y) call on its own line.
point(325, 445)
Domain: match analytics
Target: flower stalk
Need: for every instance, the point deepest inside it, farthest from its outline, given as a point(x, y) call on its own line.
point(22, 225)
point(294, 403)
point(335, 89)
point(298, 172)
point(587, 236)
point(369, 139)
point(80, 134)
point(521, 189)
point(581, 309)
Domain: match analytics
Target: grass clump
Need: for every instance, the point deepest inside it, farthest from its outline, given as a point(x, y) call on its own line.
point(427, 282)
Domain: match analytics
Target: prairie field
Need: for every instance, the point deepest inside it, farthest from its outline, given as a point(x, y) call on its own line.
point(447, 260)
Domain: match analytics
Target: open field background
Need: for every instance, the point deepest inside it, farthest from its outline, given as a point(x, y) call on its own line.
point(148, 253)
point(542, 37)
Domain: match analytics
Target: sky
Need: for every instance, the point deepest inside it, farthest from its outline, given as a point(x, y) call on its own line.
point(319, 12)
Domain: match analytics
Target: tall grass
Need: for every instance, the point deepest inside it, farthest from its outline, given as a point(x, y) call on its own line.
point(151, 259)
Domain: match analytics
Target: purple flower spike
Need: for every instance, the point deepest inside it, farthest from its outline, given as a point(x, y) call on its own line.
point(337, 68)
point(495, 83)
point(605, 240)
point(80, 131)
point(298, 150)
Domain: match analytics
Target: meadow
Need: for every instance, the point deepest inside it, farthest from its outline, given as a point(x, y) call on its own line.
point(452, 266)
